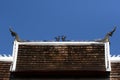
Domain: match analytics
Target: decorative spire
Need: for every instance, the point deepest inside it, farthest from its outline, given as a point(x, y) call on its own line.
point(63, 38)
point(57, 38)
point(60, 38)
point(107, 36)
point(14, 34)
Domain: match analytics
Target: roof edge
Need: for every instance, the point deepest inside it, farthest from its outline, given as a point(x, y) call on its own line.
point(6, 58)
point(115, 58)
point(61, 43)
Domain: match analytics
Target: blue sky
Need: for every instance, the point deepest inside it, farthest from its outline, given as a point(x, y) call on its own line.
point(45, 19)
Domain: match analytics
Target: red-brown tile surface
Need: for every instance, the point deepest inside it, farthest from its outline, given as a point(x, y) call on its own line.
point(4, 70)
point(115, 71)
point(72, 57)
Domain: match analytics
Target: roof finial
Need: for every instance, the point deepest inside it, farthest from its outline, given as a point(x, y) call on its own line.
point(57, 38)
point(14, 34)
point(108, 35)
point(63, 38)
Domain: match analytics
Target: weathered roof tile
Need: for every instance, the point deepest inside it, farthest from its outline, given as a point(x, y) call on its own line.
point(61, 57)
point(4, 70)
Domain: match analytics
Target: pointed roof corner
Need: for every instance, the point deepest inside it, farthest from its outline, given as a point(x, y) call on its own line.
point(107, 36)
point(14, 34)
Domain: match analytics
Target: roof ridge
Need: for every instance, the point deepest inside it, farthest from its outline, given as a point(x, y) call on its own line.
point(116, 55)
point(115, 58)
point(5, 57)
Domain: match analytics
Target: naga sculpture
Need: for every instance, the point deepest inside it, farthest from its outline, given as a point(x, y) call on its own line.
point(57, 38)
point(63, 38)
point(60, 38)
point(107, 36)
point(14, 34)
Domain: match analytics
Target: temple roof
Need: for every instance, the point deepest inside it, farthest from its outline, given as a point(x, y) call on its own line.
point(60, 56)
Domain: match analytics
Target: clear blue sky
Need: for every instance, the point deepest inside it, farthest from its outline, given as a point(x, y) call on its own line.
point(45, 19)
